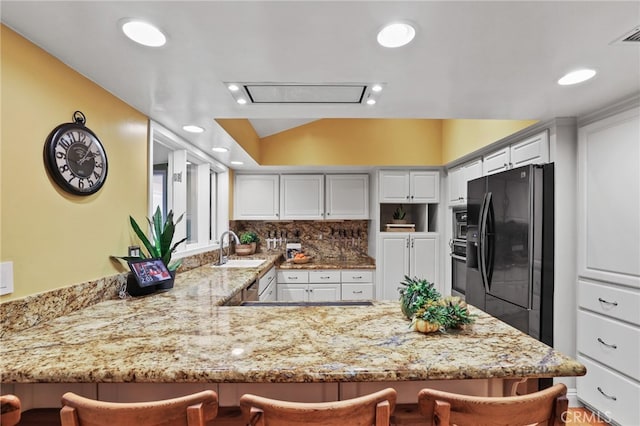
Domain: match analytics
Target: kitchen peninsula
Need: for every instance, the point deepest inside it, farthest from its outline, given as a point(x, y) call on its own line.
point(186, 336)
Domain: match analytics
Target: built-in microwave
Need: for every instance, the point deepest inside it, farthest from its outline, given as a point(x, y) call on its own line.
point(460, 225)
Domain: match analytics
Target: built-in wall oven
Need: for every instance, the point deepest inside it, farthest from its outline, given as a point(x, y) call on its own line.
point(458, 253)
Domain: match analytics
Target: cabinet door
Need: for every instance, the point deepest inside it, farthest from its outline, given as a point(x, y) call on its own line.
point(472, 170)
point(394, 255)
point(608, 208)
point(256, 197)
point(534, 150)
point(454, 180)
point(302, 197)
point(324, 292)
point(270, 293)
point(496, 162)
point(424, 187)
point(394, 186)
point(347, 196)
point(293, 292)
point(424, 258)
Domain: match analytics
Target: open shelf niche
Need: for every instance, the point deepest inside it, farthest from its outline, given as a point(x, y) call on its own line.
point(422, 215)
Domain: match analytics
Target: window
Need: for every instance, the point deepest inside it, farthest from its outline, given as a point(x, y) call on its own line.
point(186, 180)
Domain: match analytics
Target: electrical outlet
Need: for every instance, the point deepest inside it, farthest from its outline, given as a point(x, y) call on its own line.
point(6, 278)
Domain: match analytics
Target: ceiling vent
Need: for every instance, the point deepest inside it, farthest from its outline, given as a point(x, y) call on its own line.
point(302, 93)
point(629, 38)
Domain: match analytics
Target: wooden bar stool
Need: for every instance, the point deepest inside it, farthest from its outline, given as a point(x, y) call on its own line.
point(10, 410)
point(545, 407)
point(373, 409)
point(191, 410)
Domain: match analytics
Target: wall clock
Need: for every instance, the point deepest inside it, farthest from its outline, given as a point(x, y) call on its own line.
point(75, 157)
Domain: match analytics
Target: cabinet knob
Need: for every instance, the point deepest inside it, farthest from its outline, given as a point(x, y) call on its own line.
point(412, 197)
point(328, 214)
point(277, 214)
point(407, 197)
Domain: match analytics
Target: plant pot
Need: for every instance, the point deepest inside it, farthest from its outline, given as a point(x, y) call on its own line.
point(399, 221)
point(245, 249)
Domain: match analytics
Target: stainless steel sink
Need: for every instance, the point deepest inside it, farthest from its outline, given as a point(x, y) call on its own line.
point(334, 303)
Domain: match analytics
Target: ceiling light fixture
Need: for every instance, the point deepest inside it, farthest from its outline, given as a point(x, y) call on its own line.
point(376, 88)
point(144, 33)
point(220, 149)
point(241, 101)
point(233, 87)
point(237, 163)
point(396, 35)
point(192, 128)
point(577, 76)
point(371, 101)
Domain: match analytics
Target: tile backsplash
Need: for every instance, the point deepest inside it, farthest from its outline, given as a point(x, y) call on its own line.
point(346, 239)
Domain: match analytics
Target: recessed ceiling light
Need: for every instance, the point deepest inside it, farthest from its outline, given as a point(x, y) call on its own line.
point(220, 149)
point(237, 163)
point(242, 101)
point(371, 101)
point(575, 77)
point(144, 33)
point(192, 128)
point(376, 88)
point(396, 35)
point(233, 87)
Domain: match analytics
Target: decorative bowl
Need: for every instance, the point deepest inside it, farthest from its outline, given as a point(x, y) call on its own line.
point(301, 260)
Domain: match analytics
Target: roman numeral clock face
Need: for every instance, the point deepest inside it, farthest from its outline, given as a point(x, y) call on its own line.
point(75, 158)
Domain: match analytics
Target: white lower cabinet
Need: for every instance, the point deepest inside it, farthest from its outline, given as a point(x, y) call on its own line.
point(412, 254)
point(325, 285)
point(309, 286)
point(357, 285)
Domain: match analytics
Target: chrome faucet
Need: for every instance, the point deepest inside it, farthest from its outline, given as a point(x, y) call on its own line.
point(221, 258)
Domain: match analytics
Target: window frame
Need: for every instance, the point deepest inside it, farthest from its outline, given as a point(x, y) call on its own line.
point(209, 204)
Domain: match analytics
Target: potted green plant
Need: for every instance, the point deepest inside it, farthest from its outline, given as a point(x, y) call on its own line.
point(248, 243)
point(159, 243)
point(399, 215)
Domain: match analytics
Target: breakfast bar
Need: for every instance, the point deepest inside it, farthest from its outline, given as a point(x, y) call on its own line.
point(186, 335)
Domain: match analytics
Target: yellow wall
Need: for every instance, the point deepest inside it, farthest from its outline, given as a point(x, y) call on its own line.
point(461, 137)
point(55, 239)
point(356, 142)
point(241, 130)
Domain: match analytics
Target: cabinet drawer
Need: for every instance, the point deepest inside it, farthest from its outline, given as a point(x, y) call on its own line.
point(324, 276)
point(357, 291)
point(610, 301)
point(293, 277)
point(610, 342)
point(267, 279)
point(599, 388)
point(356, 276)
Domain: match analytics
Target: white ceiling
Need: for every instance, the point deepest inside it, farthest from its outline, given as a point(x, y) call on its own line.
point(475, 59)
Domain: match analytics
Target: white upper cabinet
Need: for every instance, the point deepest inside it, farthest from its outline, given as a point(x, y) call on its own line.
point(458, 178)
point(302, 197)
point(403, 186)
point(534, 150)
point(347, 196)
point(256, 197)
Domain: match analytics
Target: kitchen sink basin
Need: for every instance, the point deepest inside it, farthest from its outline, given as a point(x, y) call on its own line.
point(334, 303)
point(241, 263)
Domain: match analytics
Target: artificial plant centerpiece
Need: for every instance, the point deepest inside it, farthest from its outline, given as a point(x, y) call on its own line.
point(248, 243)
point(428, 310)
point(399, 215)
point(159, 243)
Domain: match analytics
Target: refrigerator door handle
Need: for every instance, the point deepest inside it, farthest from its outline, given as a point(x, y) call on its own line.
point(490, 239)
point(482, 246)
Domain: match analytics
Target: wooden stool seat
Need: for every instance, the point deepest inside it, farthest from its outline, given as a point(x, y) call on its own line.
point(373, 409)
point(545, 407)
point(191, 410)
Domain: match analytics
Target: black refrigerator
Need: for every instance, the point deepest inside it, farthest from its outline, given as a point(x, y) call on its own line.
point(510, 248)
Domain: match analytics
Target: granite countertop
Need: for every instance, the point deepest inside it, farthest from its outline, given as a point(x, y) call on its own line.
point(332, 263)
point(183, 335)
